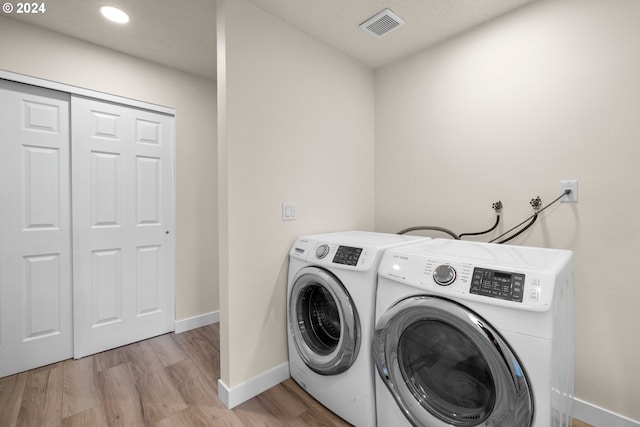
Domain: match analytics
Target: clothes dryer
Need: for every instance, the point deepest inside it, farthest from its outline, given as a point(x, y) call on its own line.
point(474, 334)
point(331, 307)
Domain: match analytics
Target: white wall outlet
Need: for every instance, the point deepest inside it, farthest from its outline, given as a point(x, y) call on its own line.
point(570, 184)
point(289, 211)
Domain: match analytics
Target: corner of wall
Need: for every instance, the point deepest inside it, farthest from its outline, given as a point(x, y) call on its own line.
point(233, 397)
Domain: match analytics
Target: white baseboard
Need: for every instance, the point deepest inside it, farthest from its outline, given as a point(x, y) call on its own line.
point(196, 321)
point(232, 397)
point(600, 417)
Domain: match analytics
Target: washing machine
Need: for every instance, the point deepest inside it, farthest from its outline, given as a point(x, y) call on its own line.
point(474, 334)
point(331, 307)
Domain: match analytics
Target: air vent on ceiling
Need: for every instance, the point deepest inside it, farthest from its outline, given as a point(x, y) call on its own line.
point(383, 23)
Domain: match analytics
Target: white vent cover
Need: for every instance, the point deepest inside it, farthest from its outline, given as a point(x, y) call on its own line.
point(383, 23)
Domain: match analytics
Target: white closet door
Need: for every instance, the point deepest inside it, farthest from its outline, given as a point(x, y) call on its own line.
point(35, 233)
point(123, 220)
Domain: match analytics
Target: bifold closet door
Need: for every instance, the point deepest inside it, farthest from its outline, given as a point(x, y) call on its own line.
point(35, 228)
point(123, 219)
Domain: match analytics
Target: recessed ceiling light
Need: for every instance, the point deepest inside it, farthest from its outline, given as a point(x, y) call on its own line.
point(114, 14)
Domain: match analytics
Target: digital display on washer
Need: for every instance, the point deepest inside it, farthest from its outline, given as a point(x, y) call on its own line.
point(347, 255)
point(497, 284)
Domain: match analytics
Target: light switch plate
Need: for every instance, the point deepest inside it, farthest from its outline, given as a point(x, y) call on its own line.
point(289, 211)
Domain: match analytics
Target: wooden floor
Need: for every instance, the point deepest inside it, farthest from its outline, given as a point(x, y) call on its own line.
point(170, 380)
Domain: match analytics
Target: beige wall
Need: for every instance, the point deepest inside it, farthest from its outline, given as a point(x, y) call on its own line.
point(505, 112)
point(35, 52)
point(298, 127)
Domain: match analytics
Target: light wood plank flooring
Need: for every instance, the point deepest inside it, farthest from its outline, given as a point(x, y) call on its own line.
point(167, 381)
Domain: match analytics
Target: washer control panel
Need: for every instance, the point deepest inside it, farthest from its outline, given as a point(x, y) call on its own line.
point(522, 278)
point(497, 284)
point(347, 255)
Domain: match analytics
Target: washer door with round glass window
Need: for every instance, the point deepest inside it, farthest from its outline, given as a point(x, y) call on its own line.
point(323, 321)
point(444, 365)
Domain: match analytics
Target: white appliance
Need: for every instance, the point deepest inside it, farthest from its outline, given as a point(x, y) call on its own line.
point(474, 334)
point(331, 308)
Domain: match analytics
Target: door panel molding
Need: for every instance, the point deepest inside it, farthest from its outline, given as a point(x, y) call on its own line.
point(123, 211)
point(35, 228)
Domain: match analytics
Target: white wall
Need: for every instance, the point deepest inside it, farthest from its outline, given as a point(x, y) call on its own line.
point(39, 53)
point(296, 124)
point(506, 111)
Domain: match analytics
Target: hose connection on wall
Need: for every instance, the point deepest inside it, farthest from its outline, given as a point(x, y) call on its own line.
point(497, 206)
point(535, 203)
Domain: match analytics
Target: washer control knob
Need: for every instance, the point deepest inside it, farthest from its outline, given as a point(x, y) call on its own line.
point(322, 251)
point(444, 275)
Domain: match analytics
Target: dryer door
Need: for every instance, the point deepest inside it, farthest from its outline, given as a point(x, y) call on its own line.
point(323, 321)
point(444, 364)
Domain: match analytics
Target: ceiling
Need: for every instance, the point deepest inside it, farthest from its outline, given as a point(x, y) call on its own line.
point(181, 34)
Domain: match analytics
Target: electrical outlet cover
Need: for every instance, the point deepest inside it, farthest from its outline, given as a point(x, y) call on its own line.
point(570, 184)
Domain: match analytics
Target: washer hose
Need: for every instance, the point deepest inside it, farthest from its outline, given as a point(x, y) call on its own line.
point(533, 219)
point(430, 227)
point(484, 232)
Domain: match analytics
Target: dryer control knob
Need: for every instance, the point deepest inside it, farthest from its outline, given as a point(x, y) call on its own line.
point(322, 251)
point(444, 275)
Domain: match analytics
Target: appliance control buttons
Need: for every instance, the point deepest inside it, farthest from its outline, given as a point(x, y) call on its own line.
point(444, 275)
point(322, 251)
point(497, 284)
point(347, 255)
